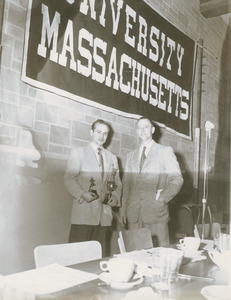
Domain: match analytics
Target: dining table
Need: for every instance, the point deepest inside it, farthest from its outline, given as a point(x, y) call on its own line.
point(193, 277)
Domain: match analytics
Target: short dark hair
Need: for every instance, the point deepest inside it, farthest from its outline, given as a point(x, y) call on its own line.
point(144, 118)
point(99, 121)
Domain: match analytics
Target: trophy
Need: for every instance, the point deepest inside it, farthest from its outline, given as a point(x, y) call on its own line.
point(91, 187)
point(111, 186)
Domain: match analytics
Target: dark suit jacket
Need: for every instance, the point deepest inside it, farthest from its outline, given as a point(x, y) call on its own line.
point(82, 166)
point(160, 171)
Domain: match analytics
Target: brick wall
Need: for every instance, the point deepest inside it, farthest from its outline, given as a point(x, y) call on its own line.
point(51, 116)
point(57, 124)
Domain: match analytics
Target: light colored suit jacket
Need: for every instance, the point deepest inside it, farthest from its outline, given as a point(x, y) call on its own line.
point(160, 171)
point(82, 166)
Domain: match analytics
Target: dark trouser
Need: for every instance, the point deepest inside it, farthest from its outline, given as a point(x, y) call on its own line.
point(159, 232)
point(102, 234)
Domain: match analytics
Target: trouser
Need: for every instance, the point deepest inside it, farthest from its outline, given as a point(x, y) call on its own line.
point(102, 234)
point(159, 232)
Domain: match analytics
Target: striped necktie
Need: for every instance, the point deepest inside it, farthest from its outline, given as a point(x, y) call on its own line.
point(101, 161)
point(142, 158)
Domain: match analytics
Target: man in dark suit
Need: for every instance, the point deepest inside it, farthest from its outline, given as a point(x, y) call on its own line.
point(152, 177)
point(89, 170)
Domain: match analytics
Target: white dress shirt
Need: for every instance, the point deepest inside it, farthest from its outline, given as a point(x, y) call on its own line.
point(148, 146)
point(95, 148)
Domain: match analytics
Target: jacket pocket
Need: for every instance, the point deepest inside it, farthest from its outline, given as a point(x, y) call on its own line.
point(154, 211)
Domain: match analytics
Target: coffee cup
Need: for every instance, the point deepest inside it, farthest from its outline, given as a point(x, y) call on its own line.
point(221, 258)
point(190, 245)
point(120, 269)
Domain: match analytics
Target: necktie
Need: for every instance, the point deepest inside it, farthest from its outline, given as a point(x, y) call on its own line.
point(101, 161)
point(142, 158)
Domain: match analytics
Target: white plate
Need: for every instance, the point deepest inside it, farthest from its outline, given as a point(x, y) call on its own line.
point(217, 292)
point(125, 285)
point(105, 276)
point(195, 255)
point(198, 252)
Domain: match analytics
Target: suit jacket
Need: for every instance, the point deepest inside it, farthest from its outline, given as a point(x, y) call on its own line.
point(160, 171)
point(82, 166)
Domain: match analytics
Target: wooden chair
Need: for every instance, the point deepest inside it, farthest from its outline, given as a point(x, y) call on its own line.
point(210, 228)
point(135, 239)
point(67, 254)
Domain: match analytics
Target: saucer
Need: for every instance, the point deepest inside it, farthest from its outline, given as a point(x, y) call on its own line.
point(217, 292)
point(105, 276)
point(195, 254)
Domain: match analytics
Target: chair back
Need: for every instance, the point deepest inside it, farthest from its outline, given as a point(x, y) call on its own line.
point(193, 220)
point(210, 230)
point(67, 254)
point(135, 239)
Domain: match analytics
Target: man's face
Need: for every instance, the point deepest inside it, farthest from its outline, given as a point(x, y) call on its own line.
point(100, 134)
point(145, 130)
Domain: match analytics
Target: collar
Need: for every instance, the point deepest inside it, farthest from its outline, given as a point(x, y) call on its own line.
point(95, 146)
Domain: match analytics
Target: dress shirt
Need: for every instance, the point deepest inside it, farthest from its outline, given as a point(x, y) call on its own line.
point(148, 146)
point(95, 148)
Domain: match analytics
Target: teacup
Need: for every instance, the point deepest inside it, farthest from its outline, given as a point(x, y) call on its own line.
point(120, 269)
point(190, 245)
point(221, 258)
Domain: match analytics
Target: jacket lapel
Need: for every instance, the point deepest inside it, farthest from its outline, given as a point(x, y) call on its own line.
point(107, 165)
point(137, 160)
point(152, 152)
point(93, 161)
point(106, 162)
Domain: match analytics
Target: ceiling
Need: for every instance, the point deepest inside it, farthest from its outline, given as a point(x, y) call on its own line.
point(213, 8)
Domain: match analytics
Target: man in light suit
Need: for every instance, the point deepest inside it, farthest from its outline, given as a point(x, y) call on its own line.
point(88, 171)
point(152, 177)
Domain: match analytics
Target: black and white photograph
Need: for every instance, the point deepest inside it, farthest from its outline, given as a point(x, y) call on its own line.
point(115, 156)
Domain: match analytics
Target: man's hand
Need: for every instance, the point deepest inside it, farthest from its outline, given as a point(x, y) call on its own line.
point(113, 201)
point(123, 217)
point(161, 199)
point(89, 196)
